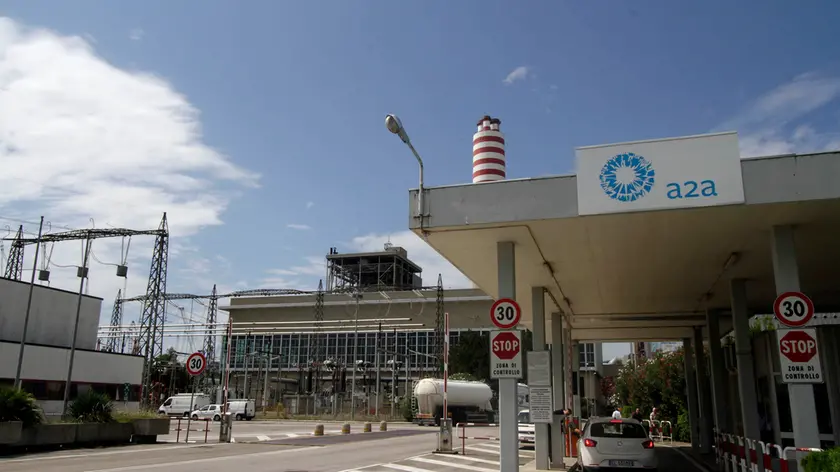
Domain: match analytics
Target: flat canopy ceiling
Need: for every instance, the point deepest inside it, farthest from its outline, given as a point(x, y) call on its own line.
point(668, 265)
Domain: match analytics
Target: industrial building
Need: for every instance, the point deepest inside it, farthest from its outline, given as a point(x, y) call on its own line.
point(49, 337)
point(376, 313)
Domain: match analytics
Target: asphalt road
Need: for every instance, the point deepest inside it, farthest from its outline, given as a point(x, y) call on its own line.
point(408, 450)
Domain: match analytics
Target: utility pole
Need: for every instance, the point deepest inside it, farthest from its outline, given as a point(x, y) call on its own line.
point(376, 364)
point(28, 302)
point(82, 273)
point(358, 296)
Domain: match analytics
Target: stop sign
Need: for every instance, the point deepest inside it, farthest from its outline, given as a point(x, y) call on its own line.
point(505, 345)
point(798, 346)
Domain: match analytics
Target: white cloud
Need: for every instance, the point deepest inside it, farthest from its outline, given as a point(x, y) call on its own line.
point(520, 73)
point(81, 139)
point(777, 122)
point(298, 227)
point(419, 252)
point(310, 205)
point(136, 34)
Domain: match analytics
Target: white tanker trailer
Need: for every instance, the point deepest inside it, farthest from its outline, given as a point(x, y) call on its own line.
point(463, 398)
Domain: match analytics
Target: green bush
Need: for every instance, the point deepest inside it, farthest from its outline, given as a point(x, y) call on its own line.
point(92, 407)
point(17, 405)
point(682, 432)
point(405, 409)
point(825, 461)
point(627, 411)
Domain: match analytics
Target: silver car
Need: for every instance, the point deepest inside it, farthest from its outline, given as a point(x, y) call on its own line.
point(615, 444)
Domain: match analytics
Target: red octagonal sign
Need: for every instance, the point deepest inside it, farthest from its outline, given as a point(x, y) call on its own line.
point(506, 345)
point(798, 346)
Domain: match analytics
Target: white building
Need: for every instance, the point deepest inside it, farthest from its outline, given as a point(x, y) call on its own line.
point(47, 351)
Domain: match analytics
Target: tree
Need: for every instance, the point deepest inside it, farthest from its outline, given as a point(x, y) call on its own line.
point(471, 355)
point(657, 382)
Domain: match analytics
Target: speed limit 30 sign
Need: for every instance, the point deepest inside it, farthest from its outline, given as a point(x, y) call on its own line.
point(505, 313)
point(196, 363)
point(793, 309)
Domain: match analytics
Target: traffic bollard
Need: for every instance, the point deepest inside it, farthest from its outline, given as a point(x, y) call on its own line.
point(345, 428)
point(383, 426)
point(319, 430)
point(367, 428)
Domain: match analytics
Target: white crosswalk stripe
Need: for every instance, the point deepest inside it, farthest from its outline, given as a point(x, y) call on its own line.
point(481, 457)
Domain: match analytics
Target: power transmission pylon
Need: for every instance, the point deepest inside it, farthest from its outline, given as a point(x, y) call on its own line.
point(439, 310)
point(154, 314)
point(116, 322)
point(14, 264)
point(210, 341)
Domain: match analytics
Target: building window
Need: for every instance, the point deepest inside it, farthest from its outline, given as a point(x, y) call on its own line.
point(586, 355)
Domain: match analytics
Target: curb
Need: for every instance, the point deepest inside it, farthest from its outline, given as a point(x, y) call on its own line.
point(261, 420)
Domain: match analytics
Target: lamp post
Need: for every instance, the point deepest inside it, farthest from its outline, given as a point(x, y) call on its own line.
point(395, 126)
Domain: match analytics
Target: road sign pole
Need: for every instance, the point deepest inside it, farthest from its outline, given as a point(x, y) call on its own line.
point(786, 276)
point(192, 406)
point(508, 429)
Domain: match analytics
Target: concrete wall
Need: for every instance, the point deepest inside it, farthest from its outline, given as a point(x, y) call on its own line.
point(50, 363)
point(51, 318)
point(472, 314)
point(800, 177)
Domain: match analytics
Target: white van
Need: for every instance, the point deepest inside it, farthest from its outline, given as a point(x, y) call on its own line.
point(179, 405)
point(242, 409)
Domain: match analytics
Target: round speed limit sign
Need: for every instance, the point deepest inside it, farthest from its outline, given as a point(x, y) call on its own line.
point(793, 309)
point(196, 363)
point(505, 313)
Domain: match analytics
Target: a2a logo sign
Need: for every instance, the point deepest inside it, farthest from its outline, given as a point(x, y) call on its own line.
point(691, 189)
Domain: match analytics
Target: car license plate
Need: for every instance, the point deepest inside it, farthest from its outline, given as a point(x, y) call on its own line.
point(621, 463)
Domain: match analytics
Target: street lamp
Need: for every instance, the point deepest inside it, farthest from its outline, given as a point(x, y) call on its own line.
point(395, 126)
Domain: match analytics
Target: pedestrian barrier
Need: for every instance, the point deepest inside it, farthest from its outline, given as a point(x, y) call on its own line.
point(383, 426)
point(188, 428)
point(739, 454)
point(367, 428)
point(319, 430)
point(345, 428)
point(463, 437)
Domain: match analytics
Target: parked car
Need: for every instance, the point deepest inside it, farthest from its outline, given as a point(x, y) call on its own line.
point(615, 443)
point(242, 409)
point(179, 405)
point(213, 412)
point(526, 429)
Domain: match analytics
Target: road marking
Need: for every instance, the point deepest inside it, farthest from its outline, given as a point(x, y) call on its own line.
point(263, 438)
point(492, 445)
point(474, 459)
point(405, 468)
point(475, 448)
point(96, 454)
point(450, 464)
point(200, 461)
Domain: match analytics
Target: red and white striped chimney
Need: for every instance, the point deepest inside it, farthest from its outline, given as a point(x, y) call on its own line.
point(488, 151)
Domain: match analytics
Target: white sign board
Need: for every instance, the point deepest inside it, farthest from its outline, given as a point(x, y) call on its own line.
point(799, 356)
point(696, 171)
point(540, 407)
point(539, 368)
point(506, 354)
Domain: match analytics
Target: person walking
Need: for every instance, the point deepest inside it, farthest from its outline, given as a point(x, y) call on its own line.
point(637, 415)
point(616, 414)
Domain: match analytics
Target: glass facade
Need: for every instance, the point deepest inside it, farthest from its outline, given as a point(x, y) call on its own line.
point(290, 350)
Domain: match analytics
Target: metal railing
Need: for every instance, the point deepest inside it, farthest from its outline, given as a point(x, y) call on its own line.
point(739, 454)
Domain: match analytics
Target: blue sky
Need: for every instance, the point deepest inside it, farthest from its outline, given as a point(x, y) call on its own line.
point(292, 97)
